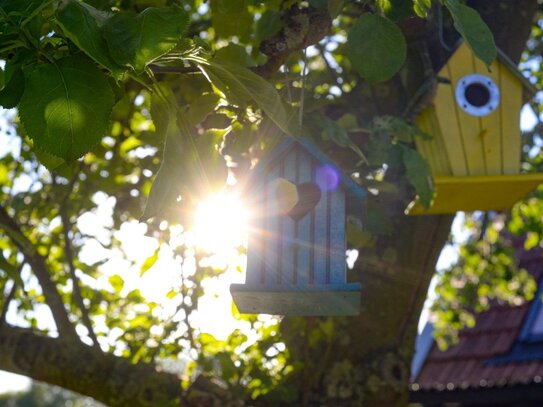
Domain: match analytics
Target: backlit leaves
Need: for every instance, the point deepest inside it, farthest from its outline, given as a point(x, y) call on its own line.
point(66, 106)
point(134, 40)
point(241, 85)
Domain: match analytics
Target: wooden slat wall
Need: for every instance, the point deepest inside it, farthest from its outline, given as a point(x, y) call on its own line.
point(336, 213)
point(303, 232)
point(320, 239)
point(433, 150)
point(272, 232)
point(288, 247)
point(490, 128)
point(447, 117)
point(255, 267)
point(511, 103)
point(462, 64)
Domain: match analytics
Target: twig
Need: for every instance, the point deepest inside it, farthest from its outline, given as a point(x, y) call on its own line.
point(38, 264)
point(174, 69)
point(7, 300)
point(68, 251)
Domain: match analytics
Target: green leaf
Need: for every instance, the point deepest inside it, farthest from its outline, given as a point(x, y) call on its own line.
point(14, 80)
point(418, 174)
point(136, 40)
point(334, 132)
point(83, 24)
point(471, 26)
point(201, 107)
point(268, 25)
point(376, 47)
point(19, 8)
point(422, 7)
point(165, 188)
point(234, 54)
point(66, 106)
point(231, 18)
point(54, 164)
point(149, 262)
point(240, 84)
point(116, 282)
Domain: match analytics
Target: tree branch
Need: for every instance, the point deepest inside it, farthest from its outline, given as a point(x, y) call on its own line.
point(301, 27)
point(39, 267)
point(7, 301)
point(107, 378)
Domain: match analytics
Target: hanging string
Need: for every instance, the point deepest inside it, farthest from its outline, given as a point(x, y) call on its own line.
point(440, 28)
point(302, 91)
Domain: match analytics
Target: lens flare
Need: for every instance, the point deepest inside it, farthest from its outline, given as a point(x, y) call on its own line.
point(220, 223)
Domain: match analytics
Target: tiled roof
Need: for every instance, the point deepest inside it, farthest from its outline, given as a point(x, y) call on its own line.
point(472, 362)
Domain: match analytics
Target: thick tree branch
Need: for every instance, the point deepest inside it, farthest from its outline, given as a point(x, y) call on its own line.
point(39, 267)
point(107, 378)
point(301, 27)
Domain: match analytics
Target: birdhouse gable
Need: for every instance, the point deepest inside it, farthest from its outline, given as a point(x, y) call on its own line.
point(458, 56)
point(278, 156)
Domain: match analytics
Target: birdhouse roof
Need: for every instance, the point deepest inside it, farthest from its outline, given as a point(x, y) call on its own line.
point(529, 88)
point(282, 149)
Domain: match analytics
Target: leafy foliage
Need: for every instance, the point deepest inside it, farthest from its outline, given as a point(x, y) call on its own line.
point(147, 106)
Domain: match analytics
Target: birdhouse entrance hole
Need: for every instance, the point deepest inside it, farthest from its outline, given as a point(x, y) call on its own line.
point(477, 95)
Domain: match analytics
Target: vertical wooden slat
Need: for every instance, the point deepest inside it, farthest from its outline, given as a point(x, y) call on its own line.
point(272, 220)
point(433, 150)
point(511, 103)
point(289, 228)
point(320, 238)
point(490, 125)
point(255, 267)
point(462, 64)
point(337, 237)
point(446, 114)
point(304, 225)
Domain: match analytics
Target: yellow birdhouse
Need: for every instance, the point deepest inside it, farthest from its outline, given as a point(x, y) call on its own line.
point(475, 147)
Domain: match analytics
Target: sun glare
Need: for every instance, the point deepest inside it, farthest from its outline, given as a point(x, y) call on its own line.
point(220, 223)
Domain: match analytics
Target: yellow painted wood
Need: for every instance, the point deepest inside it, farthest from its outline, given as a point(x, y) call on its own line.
point(490, 125)
point(445, 111)
point(510, 105)
point(460, 65)
point(433, 150)
point(492, 192)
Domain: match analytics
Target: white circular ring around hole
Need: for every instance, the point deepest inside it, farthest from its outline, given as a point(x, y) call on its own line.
point(484, 81)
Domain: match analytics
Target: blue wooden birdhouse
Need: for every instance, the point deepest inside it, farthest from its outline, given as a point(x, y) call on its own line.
point(296, 261)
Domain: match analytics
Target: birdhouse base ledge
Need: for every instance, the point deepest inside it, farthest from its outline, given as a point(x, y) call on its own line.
point(478, 193)
point(306, 300)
